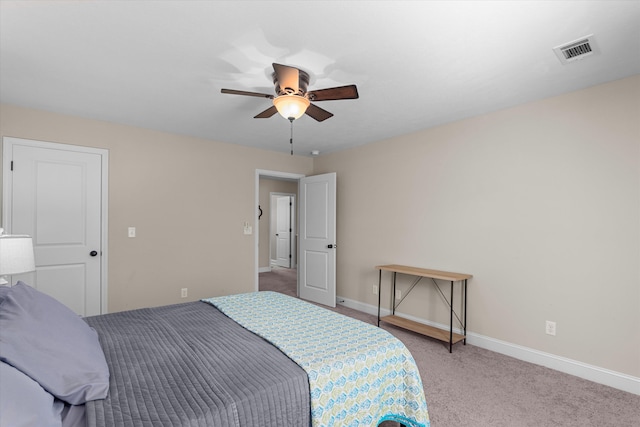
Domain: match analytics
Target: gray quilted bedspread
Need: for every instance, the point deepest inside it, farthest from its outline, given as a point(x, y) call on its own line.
point(190, 365)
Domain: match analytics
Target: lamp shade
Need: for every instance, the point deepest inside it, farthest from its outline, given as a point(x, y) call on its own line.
point(291, 106)
point(16, 255)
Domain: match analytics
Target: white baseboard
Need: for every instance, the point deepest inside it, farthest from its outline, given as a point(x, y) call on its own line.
point(596, 374)
point(264, 270)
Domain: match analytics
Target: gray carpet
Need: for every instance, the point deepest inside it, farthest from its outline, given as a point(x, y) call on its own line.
point(480, 388)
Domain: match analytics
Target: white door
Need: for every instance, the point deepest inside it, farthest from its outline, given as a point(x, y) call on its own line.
point(283, 231)
point(54, 193)
point(317, 262)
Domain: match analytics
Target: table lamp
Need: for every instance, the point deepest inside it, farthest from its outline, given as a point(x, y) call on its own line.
point(16, 255)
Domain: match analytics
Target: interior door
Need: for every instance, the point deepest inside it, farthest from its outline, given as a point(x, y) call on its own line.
point(283, 231)
point(54, 194)
point(317, 261)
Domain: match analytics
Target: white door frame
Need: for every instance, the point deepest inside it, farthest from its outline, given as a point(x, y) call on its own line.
point(7, 193)
point(266, 174)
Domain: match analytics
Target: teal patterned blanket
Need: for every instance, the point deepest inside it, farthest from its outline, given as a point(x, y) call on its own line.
point(359, 375)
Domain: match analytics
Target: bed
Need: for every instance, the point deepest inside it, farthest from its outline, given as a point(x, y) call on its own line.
point(257, 359)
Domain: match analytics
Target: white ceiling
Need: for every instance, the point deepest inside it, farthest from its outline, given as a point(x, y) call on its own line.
point(417, 64)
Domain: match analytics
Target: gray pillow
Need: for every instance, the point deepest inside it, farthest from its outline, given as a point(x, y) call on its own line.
point(51, 344)
point(23, 403)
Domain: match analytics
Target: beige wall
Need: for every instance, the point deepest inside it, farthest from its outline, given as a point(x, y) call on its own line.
point(541, 203)
point(268, 186)
point(187, 197)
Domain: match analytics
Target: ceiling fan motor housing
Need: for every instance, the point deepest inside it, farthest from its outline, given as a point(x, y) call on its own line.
point(303, 83)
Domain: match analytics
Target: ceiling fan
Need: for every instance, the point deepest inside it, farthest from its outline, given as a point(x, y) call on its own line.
point(292, 99)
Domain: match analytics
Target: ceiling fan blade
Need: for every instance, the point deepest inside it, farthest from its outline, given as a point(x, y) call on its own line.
point(318, 113)
point(288, 78)
point(334, 93)
point(267, 113)
point(245, 93)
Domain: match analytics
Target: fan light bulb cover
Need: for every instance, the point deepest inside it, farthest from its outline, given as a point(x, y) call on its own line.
point(291, 106)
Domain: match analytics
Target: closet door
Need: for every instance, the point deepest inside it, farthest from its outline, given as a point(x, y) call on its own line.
point(55, 195)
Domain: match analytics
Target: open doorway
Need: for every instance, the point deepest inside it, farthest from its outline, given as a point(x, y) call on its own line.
point(315, 234)
point(277, 232)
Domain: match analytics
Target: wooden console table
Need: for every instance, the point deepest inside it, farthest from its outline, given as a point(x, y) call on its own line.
point(430, 331)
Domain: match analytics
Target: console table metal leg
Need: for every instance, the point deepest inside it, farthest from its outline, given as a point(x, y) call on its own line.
point(379, 292)
point(393, 295)
point(464, 326)
point(451, 321)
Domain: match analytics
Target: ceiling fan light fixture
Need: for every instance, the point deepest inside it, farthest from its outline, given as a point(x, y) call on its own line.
point(291, 106)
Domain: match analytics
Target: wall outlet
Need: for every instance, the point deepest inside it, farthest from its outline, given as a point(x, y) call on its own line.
point(375, 289)
point(131, 232)
point(550, 328)
point(398, 294)
point(183, 293)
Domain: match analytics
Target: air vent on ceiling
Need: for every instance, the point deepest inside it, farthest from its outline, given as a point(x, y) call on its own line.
point(576, 50)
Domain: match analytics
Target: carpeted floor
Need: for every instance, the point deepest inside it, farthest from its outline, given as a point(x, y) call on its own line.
point(480, 388)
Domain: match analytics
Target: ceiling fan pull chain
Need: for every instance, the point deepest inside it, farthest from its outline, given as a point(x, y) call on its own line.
point(291, 138)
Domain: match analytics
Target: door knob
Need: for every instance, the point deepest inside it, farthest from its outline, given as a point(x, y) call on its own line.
point(332, 246)
point(93, 253)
